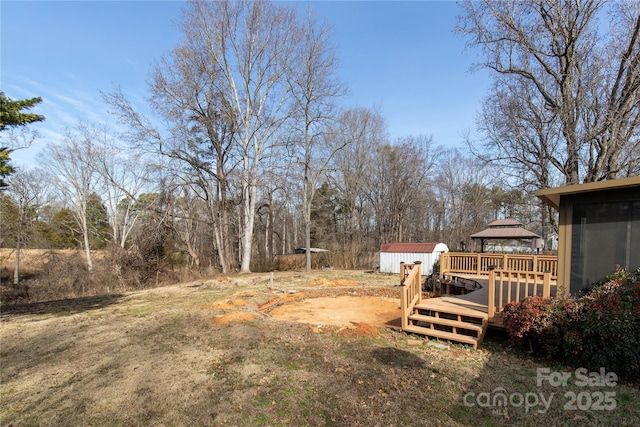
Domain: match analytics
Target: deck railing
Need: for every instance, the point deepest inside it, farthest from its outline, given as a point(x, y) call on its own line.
point(506, 286)
point(411, 294)
point(481, 263)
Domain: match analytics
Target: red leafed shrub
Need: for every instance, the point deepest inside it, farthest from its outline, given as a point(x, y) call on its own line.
point(599, 329)
point(527, 319)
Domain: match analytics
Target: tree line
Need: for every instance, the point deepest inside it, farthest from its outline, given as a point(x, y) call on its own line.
point(92, 194)
point(247, 152)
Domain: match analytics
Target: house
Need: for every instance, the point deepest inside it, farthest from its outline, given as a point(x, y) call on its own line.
point(392, 254)
point(508, 235)
point(599, 229)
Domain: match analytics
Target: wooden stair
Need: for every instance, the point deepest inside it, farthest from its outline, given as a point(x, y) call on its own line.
point(449, 318)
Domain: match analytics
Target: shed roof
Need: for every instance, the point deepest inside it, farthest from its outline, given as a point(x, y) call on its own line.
point(413, 248)
point(551, 196)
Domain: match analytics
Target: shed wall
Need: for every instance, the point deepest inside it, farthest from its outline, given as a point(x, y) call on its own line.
point(390, 261)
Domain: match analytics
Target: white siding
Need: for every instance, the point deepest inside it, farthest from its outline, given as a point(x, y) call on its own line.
point(390, 261)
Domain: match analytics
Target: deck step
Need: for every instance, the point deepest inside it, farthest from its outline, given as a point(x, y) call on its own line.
point(448, 322)
point(458, 308)
point(465, 339)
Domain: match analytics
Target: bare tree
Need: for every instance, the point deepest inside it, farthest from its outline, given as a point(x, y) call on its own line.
point(463, 192)
point(28, 190)
point(188, 90)
point(186, 214)
point(366, 131)
point(279, 183)
point(251, 44)
point(565, 98)
point(122, 178)
point(70, 165)
point(199, 142)
point(401, 172)
point(315, 90)
point(224, 87)
point(523, 141)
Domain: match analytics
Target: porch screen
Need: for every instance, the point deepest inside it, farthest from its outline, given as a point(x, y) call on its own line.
point(604, 235)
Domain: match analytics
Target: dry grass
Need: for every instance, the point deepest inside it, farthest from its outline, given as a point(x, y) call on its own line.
point(157, 357)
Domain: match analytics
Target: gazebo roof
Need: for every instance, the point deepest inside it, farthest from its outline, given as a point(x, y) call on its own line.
point(505, 229)
point(505, 233)
point(505, 223)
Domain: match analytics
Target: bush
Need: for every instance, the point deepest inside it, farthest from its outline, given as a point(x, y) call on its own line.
point(600, 329)
point(527, 320)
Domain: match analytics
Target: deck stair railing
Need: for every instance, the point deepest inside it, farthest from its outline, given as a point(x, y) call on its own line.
point(433, 319)
point(411, 295)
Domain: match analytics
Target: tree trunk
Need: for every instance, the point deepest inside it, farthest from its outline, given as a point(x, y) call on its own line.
point(306, 207)
point(87, 248)
point(16, 270)
point(248, 220)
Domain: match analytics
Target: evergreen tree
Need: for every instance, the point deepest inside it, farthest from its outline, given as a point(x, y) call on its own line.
point(5, 168)
point(11, 115)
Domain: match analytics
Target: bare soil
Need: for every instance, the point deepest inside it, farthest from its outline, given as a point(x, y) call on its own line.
point(249, 350)
point(341, 311)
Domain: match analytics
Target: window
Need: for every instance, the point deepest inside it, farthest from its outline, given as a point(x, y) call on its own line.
point(604, 235)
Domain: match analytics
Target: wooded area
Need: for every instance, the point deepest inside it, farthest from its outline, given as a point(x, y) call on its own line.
point(246, 152)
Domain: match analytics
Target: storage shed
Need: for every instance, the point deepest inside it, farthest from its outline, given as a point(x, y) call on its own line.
point(392, 254)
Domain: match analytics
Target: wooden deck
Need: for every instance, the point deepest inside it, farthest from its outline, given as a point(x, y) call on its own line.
point(465, 318)
point(480, 296)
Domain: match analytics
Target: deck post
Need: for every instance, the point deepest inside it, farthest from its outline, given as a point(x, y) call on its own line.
point(418, 282)
point(402, 276)
point(491, 309)
point(445, 263)
point(546, 284)
point(404, 305)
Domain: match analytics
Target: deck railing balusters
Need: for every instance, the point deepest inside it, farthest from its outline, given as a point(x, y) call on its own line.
point(478, 263)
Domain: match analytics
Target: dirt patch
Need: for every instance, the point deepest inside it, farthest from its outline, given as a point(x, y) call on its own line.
point(332, 283)
point(280, 300)
point(228, 304)
point(358, 312)
point(359, 330)
point(231, 303)
point(233, 317)
point(342, 311)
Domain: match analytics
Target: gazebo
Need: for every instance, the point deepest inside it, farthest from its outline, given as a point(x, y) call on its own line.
point(505, 230)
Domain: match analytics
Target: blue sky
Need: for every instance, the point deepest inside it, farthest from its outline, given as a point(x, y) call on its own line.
point(401, 57)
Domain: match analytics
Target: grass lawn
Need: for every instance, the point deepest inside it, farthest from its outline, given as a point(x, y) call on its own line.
point(204, 353)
